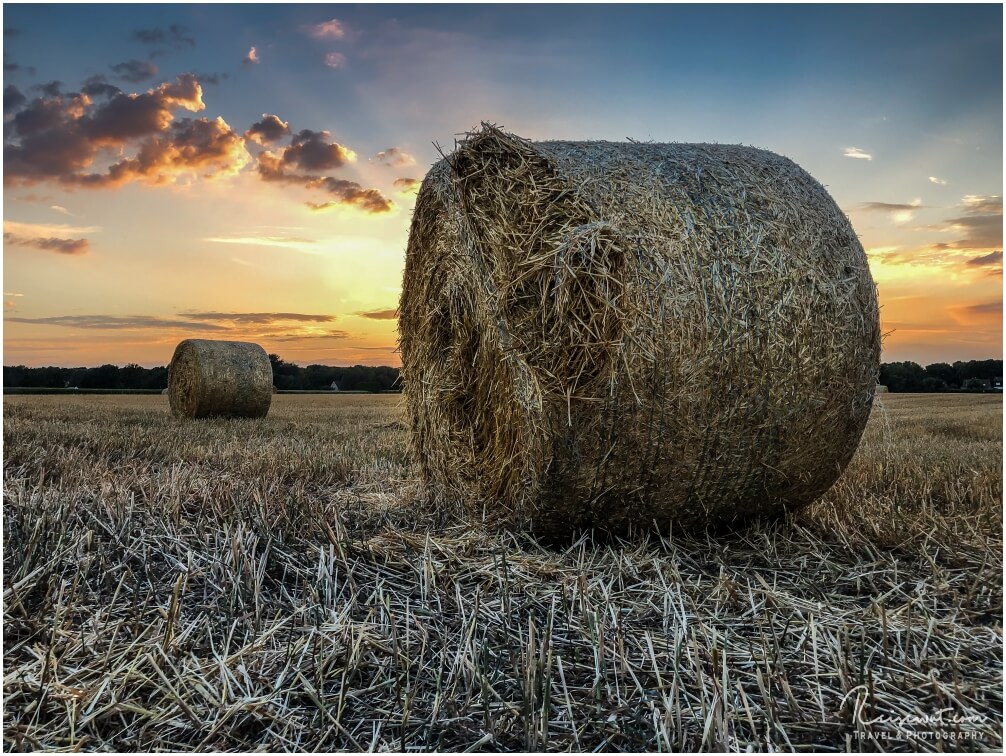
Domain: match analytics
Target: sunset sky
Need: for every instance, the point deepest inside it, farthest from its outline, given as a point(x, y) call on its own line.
point(249, 172)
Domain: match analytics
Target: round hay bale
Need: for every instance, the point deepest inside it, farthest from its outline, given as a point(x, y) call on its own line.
point(164, 391)
point(613, 335)
point(881, 389)
point(219, 379)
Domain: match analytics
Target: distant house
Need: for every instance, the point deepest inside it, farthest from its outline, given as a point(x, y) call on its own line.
point(334, 386)
point(997, 383)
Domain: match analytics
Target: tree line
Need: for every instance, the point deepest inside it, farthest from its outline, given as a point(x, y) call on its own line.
point(286, 376)
point(973, 375)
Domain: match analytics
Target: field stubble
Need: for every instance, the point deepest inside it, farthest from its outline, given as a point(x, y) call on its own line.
point(279, 584)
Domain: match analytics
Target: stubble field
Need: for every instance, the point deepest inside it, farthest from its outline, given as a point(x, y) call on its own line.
point(281, 585)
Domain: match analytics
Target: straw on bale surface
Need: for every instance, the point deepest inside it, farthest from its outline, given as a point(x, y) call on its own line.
point(219, 379)
point(618, 334)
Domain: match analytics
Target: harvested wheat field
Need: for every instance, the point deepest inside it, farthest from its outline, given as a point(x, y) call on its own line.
point(275, 584)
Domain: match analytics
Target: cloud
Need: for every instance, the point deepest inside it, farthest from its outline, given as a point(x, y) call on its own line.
point(335, 59)
point(12, 294)
point(332, 29)
point(935, 180)
point(393, 157)
point(59, 138)
point(11, 33)
point(900, 212)
point(981, 224)
point(15, 67)
point(251, 58)
point(991, 259)
point(269, 130)
point(13, 99)
point(259, 317)
point(407, 185)
point(47, 229)
point(50, 88)
point(391, 314)
point(48, 243)
point(115, 322)
point(98, 86)
point(331, 333)
point(135, 71)
point(8, 305)
point(283, 242)
point(274, 169)
point(983, 313)
point(855, 152)
point(312, 151)
point(60, 209)
point(165, 39)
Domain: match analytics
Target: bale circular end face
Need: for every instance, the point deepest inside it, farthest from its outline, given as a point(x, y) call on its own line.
point(219, 379)
point(620, 335)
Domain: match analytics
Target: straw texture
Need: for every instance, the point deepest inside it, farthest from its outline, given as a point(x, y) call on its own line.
point(219, 379)
point(620, 334)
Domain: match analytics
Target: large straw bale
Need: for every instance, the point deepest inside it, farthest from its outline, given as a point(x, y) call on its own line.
point(622, 334)
point(219, 379)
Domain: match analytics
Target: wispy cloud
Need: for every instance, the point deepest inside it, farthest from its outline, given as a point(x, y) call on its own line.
point(389, 314)
point(856, 152)
point(935, 180)
point(49, 244)
point(135, 70)
point(259, 317)
point(901, 212)
point(117, 322)
point(252, 57)
point(60, 209)
point(282, 242)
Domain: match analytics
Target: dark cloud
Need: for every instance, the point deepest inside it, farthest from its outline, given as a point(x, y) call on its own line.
point(259, 317)
point(269, 130)
point(98, 86)
point(165, 39)
point(57, 138)
point(212, 78)
point(991, 259)
point(312, 151)
point(135, 71)
point(11, 33)
point(15, 67)
point(49, 89)
point(13, 99)
point(115, 322)
point(343, 192)
point(391, 314)
point(48, 243)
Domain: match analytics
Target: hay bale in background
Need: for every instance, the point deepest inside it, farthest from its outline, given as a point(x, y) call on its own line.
point(608, 334)
point(881, 389)
point(219, 379)
point(164, 391)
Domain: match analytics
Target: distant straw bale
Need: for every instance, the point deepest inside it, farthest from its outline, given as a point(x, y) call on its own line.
point(622, 334)
point(881, 389)
point(219, 379)
point(164, 391)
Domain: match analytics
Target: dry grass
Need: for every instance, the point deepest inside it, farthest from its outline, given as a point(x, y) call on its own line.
point(272, 584)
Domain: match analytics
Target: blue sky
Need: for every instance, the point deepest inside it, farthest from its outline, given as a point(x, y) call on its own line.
point(896, 109)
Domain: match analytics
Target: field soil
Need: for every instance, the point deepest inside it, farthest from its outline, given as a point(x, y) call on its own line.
point(282, 584)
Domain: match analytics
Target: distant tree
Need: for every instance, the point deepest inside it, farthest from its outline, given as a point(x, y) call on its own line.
point(974, 384)
point(944, 372)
